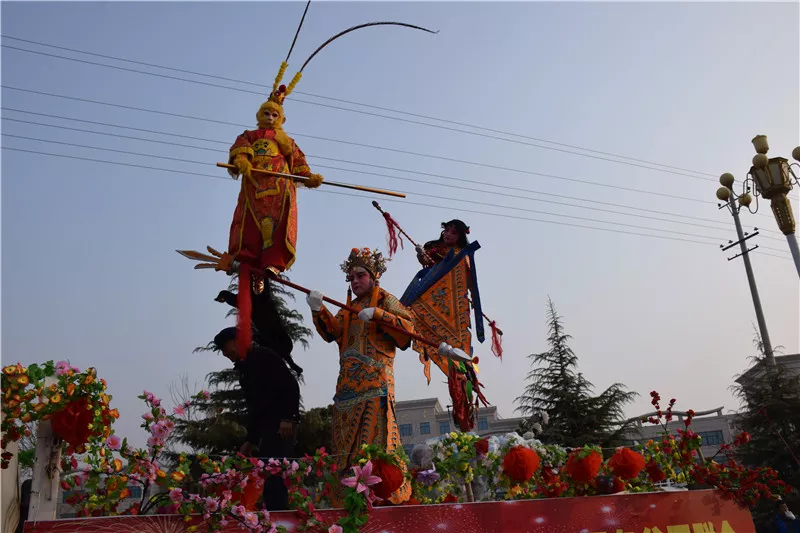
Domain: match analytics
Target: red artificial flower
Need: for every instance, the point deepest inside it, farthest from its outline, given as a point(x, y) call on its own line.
point(654, 472)
point(583, 469)
point(482, 446)
point(626, 463)
point(619, 485)
point(548, 475)
point(392, 478)
point(450, 498)
point(520, 463)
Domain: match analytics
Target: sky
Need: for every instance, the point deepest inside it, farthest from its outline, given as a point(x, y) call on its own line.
point(89, 272)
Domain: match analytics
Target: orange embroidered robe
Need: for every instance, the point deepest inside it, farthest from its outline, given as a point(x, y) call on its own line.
point(264, 228)
point(442, 313)
point(363, 410)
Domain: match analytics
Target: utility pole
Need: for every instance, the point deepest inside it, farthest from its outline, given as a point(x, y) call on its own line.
point(733, 203)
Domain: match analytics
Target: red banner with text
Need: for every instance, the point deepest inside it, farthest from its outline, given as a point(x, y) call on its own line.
point(658, 512)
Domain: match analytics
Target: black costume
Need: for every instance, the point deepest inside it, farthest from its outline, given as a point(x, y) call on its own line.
point(270, 388)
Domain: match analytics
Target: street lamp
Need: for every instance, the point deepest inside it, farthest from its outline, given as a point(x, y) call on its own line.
point(773, 179)
point(734, 203)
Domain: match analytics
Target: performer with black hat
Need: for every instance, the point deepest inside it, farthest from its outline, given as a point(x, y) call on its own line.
point(273, 407)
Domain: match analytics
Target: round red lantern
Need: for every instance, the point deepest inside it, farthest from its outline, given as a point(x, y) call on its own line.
point(584, 469)
point(520, 463)
point(626, 463)
point(392, 478)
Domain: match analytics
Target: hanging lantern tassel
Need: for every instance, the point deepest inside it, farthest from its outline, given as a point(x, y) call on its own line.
point(497, 340)
point(393, 237)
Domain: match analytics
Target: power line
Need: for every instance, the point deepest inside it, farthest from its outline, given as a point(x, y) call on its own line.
point(483, 191)
point(181, 160)
point(672, 169)
point(371, 197)
point(363, 145)
point(404, 202)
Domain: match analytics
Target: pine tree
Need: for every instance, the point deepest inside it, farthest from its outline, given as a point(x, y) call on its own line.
point(558, 399)
point(770, 414)
point(219, 426)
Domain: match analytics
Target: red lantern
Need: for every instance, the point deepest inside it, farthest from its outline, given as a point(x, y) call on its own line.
point(71, 423)
point(392, 478)
point(626, 463)
point(520, 463)
point(583, 469)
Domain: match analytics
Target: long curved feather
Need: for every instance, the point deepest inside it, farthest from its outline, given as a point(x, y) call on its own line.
point(358, 27)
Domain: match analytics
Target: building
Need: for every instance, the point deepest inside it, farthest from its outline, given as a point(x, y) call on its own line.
point(420, 420)
point(787, 363)
point(713, 426)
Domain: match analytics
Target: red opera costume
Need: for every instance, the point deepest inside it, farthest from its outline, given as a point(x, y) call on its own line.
point(264, 228)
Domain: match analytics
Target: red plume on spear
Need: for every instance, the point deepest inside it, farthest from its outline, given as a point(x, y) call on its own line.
point(392, 226)
point(393, 237)
point(497, 340)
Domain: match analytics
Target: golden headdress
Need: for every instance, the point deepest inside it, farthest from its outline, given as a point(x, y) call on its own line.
point(370, 260)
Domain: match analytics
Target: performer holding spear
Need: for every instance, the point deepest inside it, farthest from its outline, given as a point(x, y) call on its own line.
point(438, 298)
point(263, 232)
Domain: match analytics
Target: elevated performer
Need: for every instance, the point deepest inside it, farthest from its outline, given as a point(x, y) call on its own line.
point(439, 299)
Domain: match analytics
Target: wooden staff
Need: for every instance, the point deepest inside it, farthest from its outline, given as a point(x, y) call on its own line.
point(303, 179)
point(213, 261)
point(499, 331)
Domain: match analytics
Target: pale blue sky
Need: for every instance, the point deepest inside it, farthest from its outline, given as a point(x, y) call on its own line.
point(89, 271)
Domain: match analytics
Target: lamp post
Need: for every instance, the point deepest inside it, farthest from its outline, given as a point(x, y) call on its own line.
point(734, 203)
point(773, 179)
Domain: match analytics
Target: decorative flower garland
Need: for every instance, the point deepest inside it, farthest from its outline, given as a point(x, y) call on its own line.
point(76, 404)
point(455, 467)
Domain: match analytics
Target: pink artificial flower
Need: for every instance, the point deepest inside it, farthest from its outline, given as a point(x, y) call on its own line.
point(114, 442)
point(176, 495)
point(227, 495)
point(147, 416)
point(159, 430)
point(335, 528)
point(62, 367)
point(205, 394)
point(154, 441)
point(179, 410)
point(238, 510)
point(363, 478)
point(251, 519)
point(211, 504)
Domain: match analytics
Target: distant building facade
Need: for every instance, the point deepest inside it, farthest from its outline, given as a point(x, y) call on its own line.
point(714, 427)
point(420, 420)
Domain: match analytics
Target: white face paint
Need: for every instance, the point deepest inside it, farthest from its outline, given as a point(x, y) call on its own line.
point(361, 281)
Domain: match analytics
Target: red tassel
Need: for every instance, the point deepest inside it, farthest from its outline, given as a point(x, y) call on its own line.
point(244, 335)
point(393, 237)
point(497, 340)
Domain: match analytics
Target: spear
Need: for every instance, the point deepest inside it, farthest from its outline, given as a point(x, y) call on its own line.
point(392, 224)
point(211, 261)
point(303, 179)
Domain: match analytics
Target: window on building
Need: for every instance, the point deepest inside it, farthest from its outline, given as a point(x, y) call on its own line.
point(425, 428)
point(483, 424)
point(712, 438)
point(406, 430)
point(136, 492)
point(444, 428)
